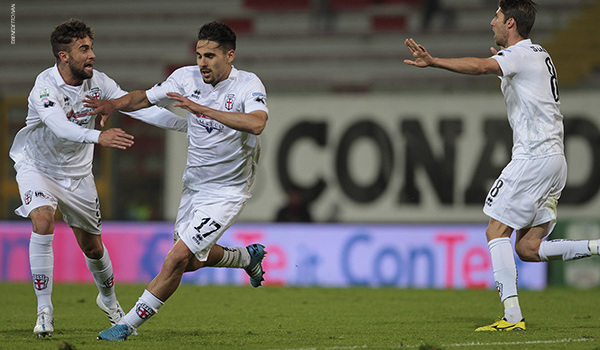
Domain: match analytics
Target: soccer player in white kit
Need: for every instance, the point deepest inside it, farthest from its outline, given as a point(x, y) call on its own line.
point(226, 111)
point(53, 157)
point(525, 196)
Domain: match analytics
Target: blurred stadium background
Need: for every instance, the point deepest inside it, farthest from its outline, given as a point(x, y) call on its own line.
point(390, 160)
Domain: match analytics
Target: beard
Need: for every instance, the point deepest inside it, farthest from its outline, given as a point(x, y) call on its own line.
point(80, 73)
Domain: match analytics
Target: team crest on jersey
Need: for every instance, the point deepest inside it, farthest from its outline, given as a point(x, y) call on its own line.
point(143, 311)
point(229, 100)
point(95, 93)
point(27, 197)
point(40, 281)
point(44, 93)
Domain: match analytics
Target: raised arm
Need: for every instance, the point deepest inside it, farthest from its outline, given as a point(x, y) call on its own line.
point(465, 65)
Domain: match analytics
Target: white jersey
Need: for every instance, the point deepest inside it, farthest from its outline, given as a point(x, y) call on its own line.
point(59, 137)
point(219, 158)
point(530, 89)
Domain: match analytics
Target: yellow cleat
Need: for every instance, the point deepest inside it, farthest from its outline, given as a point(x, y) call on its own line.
point(503, 325)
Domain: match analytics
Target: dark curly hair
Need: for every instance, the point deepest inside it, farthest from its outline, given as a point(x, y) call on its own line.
point(64, 34)
point(523, 11)
point(220, 33)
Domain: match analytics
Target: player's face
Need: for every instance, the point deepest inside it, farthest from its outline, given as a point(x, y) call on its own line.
point(500, 29)
point(213, 61)
point(81, 58)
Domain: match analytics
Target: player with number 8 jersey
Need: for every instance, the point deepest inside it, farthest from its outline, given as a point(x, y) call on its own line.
point(525, 195)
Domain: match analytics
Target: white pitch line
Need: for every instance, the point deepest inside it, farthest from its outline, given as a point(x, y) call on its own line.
point(456, 345)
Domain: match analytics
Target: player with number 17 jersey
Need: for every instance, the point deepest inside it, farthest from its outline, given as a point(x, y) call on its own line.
point(219, 158)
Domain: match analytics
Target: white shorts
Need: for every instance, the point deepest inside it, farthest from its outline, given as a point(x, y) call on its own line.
point(203, 217)
point(526, 193)
point(77, 199)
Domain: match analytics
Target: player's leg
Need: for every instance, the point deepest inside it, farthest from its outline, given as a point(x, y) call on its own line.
point(248, 258)
point(41, 260)
point(511, 204)
point(556, 249)
point(505, 275)
point(80, 207)
point(531, 244)
point(39, 204)
point(155, 294)
point(202, 219)
point(99, 263)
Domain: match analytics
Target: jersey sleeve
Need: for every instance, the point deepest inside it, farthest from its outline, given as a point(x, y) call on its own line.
point(255, 98)
point(157, 94)
point(508, 60)
point(52, 114)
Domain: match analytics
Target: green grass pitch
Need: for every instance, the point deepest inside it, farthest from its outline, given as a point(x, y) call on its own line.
point(221, 317)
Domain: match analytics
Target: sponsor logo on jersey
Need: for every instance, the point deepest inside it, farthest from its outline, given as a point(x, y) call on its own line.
point(208, 123)
point(143, 311)
point(79, 118)
point(40, 281)
point(27, 197)
point(229, 100)
point(196, 94)
point(41, 194)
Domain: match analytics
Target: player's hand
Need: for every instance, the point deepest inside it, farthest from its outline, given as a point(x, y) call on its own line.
point(422, 57)
point(115, 138)
point(184, 103)
point(103, 108)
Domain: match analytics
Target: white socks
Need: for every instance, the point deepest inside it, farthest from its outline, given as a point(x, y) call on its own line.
point(234, 257)
point(567, 249)
point(512, 310)
point(146, 306)
point(505, 275)
point(102, 271)
point(41, 260)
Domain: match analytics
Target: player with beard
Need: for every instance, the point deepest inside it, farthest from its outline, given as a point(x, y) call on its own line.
point(53, 157)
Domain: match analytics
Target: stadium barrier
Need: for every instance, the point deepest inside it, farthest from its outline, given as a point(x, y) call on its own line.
point(330, 255)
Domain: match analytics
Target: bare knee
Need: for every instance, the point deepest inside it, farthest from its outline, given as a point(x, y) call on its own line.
point(528, 250)
point(176, 262)
point(93, 252)
point(90, 244)
point(42, 220)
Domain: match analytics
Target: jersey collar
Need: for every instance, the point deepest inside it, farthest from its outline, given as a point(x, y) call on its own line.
point(232, 76)
point(59, 79)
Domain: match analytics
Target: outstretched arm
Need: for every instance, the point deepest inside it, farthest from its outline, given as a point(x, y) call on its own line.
point(133, 101)
point(465, 65)
point(253, 122)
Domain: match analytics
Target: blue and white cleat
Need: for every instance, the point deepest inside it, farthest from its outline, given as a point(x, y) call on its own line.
point(44, 326)
point(118, 332)
point(254, 269)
